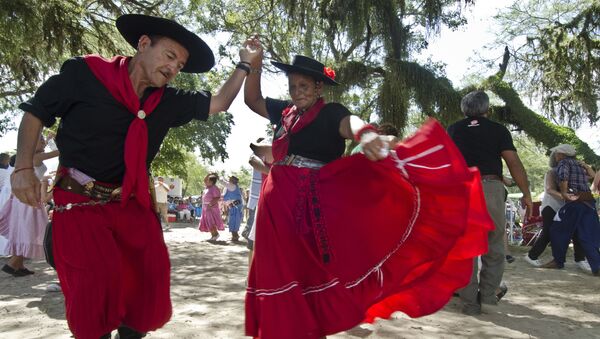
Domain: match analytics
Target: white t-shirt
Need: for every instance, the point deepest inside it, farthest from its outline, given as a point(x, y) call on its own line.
point(161, 192)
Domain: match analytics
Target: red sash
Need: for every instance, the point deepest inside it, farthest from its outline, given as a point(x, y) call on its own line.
point(292, 122)
point(114, 75)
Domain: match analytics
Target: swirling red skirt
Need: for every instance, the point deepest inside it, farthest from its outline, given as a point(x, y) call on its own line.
point(357, 240)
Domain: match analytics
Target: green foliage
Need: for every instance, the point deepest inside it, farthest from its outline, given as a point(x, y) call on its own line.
point(363, 40)
point(206, 137)
point(557, 56)
point(245, 176)
point(368, 42)
point(536, 126)
point(37, 36)
point(534, 159)
point(195, 173)
point(394, 97)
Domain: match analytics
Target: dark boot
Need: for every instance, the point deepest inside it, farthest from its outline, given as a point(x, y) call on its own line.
point(235, 237)
point(129, 333)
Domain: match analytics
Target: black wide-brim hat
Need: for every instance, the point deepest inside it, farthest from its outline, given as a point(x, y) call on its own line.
point(133, 26)
point(307, 66)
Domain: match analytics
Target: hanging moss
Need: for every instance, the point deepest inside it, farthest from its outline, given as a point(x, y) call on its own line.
point(535, 125)
point(394, 96)
point(434, 95)
point(563, 61)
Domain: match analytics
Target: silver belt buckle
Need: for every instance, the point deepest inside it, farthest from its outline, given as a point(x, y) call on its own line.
point(290, 159)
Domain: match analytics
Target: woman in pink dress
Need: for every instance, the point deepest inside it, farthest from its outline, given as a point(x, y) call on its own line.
point(210, 220)
point(24, 225)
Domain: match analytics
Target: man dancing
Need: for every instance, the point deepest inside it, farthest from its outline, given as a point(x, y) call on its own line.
point(110, 255)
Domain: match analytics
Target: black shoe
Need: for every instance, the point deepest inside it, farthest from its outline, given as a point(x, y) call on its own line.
point(24, 271)
point(16, 273)
point(8, 269)
point(510, 259)
point(128, 333)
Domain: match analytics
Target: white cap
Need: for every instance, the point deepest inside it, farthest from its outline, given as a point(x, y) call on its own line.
point(565, 149)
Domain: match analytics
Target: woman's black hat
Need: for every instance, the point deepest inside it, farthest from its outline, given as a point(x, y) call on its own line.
point(133, 26)
point(307, 66)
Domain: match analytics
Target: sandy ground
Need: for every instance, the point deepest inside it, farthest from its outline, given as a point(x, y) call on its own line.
point(208, 282)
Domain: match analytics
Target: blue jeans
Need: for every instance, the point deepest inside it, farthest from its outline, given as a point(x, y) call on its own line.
point(583, 218)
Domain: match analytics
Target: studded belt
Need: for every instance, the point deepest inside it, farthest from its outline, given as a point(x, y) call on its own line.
point(300, 161)
point(66, 207)
point(93, 189)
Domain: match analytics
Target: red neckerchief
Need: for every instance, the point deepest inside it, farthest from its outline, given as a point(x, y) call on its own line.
point(292, 122)
point(114, 75)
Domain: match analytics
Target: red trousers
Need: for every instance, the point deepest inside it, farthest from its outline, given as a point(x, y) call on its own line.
point(113, 266)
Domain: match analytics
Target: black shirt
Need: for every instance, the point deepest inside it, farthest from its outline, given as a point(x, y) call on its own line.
point(482, 141)
point(93, 125)
point(321, 139)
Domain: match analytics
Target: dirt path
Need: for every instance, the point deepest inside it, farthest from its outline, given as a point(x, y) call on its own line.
point(208, 283)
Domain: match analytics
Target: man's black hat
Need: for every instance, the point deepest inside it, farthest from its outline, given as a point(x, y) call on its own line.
point(133, 26)
point(307, 66)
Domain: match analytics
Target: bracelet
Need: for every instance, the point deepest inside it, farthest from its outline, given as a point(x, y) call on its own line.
point(21, 169)
point(362, 130)
point(245, 62)
point(243, 66)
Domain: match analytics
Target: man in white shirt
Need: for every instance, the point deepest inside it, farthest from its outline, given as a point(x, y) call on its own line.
point(161, 189)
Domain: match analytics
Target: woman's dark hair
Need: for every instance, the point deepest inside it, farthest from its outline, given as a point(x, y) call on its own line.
point(213, 177)
point(13, 158)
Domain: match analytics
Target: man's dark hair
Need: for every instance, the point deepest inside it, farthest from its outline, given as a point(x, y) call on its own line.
point(4, 158)
point(213, 177)
point(154, 38)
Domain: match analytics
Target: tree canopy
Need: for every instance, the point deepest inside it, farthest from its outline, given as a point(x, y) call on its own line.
point(37, 36)
point(371, 44)
point(556, 55)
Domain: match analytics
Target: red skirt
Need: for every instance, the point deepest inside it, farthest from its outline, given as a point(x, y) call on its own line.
point(357, 239)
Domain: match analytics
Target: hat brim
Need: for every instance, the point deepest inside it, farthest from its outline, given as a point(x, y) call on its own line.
point(567, 152)
point(287, 68)
point(133, 26)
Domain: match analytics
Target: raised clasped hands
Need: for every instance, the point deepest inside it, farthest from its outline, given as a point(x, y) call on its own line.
point(252, 51)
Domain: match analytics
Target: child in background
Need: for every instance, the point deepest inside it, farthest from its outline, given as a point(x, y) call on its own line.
point(211, 221)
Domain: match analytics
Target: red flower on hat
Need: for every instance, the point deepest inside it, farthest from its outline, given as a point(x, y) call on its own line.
point(330, 73)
